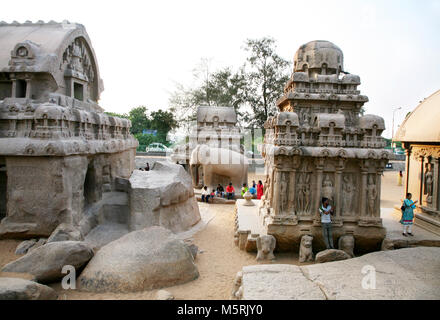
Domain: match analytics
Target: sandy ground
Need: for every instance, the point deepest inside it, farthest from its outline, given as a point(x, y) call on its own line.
point(219, 259)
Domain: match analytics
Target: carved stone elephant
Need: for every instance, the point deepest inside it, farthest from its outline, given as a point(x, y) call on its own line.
point(210, 166)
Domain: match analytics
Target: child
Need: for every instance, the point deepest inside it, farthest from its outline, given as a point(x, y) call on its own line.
point(244, 189)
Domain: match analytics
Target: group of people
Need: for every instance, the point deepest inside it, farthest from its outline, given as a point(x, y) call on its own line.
point(256, 190)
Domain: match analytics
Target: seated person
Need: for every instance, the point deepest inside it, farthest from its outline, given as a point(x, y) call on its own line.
point(205, 194)
point(230, 191)
point(253, 191)
point(220, 191)
point(244, 189)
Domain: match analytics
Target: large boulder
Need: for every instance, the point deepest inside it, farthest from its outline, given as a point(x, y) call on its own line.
point(24, 246)
point(163, 196)
point(404, 274)
point(331, 255)
point(141, 260)
point(65, 232)
point(46, 262)
point(20, 289)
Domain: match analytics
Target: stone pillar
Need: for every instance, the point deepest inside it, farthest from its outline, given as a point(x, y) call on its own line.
point(379, 189)
point(28, 89)
point(435, 187)
point(408, 159)
point(338, 188)
point(291, 199)
point(276, 191)
point(318, 190)
point(363, 193)
point(422, 178)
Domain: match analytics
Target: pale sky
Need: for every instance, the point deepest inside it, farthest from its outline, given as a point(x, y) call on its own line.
point(145, 47)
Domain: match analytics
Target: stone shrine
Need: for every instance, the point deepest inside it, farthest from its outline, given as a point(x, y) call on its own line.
point(59, 152)
point(320, 144)
point(214, 153)
point(420, 135)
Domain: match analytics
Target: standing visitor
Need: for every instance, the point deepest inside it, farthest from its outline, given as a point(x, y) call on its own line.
point(254, 185)
point(147, 168)
point(260, 190)
point(399, 178)
point(326, 211)
point(205, 194)
point(253, 191)
point(244, 189)
point(230, 191)
point(408, 214)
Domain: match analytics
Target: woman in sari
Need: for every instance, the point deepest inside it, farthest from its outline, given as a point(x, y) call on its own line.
point(408, 214)
point(260, 190)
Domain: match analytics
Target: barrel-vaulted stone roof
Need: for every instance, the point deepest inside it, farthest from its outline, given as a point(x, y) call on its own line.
point(42, 47)
point(423, 124)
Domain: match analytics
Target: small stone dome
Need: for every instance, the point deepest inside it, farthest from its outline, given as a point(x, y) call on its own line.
point(319, 54)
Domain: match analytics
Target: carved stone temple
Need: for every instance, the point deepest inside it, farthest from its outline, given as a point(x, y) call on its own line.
point(321, 145)
point(59, 152)
point(214, 153)
point(420, 134)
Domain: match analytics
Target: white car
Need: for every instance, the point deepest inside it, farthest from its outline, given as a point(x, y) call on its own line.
point(157, 147)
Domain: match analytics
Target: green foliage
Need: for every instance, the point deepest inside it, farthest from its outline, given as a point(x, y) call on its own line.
point(139, 119)
point(257, 84)
point(119, 115)
point(266, 75)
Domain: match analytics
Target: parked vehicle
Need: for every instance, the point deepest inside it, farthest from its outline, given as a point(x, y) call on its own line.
point(157, 147)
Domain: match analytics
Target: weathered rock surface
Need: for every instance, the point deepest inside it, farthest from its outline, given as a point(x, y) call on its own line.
point(65, 232)
point(46, 262)
point(164, 295)
point(23, 247)
point(39, 243)
point(141, 260)
point(163, 196)
point(331, 255)
point(20, 289)
point(404, 274)
point(104, 234)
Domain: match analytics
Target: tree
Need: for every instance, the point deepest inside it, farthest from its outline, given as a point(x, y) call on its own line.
point(163, 122)
point(266, 74)
point(119, 115)
point(220, 88)
point(139, 119)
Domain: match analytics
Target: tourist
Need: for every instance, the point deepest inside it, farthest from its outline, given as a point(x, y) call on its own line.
point(407, 214)
point(244, 189)
point(230, 191)
point(260, 190)
point(205, 194)
point(254, 185)
point(220, 192)
point(399, 179)
point(326, 211)
point(253, 191)
point(147, 168)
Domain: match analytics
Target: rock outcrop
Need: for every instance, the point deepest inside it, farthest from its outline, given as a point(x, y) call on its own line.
point(146, 259)
point(163, 196)
point(331, 255)
point(20, 289)
point(46, 262)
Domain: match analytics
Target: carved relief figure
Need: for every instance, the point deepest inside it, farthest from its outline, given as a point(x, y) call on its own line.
point(348, 190)
point(429, 180)
point(300, 195)
point(371, 196)
point(327, 188)
point(307, 197)
point(283, 193)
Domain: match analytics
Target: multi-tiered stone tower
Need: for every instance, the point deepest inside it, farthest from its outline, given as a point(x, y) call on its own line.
point(320, 144)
